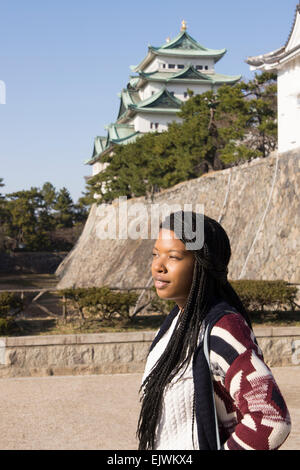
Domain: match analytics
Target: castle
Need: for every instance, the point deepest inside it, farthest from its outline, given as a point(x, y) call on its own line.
point(154, 95)
point(286, 63)
point(258, 202)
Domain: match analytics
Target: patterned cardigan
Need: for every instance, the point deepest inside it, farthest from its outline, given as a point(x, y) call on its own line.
point(252, 413)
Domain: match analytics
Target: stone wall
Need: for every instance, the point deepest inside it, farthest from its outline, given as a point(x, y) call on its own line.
point(257, 203)
point(109, 353)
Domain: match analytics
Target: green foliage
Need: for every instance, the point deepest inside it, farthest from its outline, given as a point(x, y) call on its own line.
point(1, 185)
point(221, 129)
point(261, 295)
point(107, 304)
point(261, 96)
point(160, 305)
point(4, 218)
point(30, 218)
point(7, 326)
point(257, 296)
point(24, 225)
point(48, 193)
point(10, 304)
point(64, 208)
point(100, 302)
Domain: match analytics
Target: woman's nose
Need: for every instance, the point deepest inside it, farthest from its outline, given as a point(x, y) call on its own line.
point(159, 266)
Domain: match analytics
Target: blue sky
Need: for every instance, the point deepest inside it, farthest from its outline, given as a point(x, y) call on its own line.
point(64, 61)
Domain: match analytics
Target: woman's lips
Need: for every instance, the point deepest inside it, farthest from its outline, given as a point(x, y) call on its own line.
point(160, 284)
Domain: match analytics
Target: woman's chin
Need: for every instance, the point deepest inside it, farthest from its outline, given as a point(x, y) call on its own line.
point(162, 294)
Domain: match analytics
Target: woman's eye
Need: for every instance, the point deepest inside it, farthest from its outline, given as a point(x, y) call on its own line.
point(171, 257)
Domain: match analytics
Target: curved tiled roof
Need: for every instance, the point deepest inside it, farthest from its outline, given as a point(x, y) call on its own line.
point(117, 134)
point(189, 74)
point(187, 45)
point(294, 23)
point(163, 99)
point(182, 45)
point(272, 59)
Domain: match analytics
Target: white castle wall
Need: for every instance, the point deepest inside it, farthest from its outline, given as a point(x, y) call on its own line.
point(178, 89)
point(142, 122)
point(289, 106)
point(158, 63)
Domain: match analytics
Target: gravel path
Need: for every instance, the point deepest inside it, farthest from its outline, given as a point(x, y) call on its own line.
point(94, 411)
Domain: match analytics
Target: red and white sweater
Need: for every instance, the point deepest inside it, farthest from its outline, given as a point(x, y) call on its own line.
point(252, 413)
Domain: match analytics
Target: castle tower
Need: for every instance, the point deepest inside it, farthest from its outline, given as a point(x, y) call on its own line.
point(159, 86)
point(286, 63)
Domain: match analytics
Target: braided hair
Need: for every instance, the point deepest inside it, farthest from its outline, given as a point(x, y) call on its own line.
point(209, 281)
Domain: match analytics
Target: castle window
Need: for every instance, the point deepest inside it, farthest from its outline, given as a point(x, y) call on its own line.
point(185, 94)
point(206, 67)
point(156, 125)
point(180, 66)
point(163, 66)
point(199, 67)
point(171, 66)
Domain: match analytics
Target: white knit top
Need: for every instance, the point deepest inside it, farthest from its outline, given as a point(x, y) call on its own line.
point(174, 430)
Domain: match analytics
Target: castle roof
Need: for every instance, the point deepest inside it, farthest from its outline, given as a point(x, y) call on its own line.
point(117, 134)
point(120, 132)
point(160, 102)
point(182, 45)
point(188, 75)
point(275, 59)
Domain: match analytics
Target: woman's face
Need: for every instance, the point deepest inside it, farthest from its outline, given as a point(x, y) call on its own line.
point(172, 268)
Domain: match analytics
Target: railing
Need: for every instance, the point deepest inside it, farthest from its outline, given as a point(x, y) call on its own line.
point(40, 293)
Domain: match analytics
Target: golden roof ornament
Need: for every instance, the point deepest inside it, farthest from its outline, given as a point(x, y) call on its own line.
point(183, 25)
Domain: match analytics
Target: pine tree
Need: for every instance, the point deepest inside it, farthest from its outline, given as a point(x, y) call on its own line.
point(221, 129)
point(261, 95)
point(24, 224)
point(64, 209)
point(4, 217)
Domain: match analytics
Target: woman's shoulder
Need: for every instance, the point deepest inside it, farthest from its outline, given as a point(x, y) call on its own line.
point(232, 333)
point(233, 348)
point(233, 321)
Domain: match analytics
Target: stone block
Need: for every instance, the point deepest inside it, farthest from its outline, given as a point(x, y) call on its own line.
point(280, 346)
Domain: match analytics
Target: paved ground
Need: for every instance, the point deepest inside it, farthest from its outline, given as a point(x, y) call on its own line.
point(93, 412)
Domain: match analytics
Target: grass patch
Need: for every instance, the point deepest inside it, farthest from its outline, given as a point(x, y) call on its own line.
point(46, 326)
point(36, 322)
point(42, 326)
point(28, 281)
point(278, 318)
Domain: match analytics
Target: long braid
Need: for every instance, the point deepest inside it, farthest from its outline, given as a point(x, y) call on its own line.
point(209, 280)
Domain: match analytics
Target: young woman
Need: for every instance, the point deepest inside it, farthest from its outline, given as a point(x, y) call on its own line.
point(205, 385)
